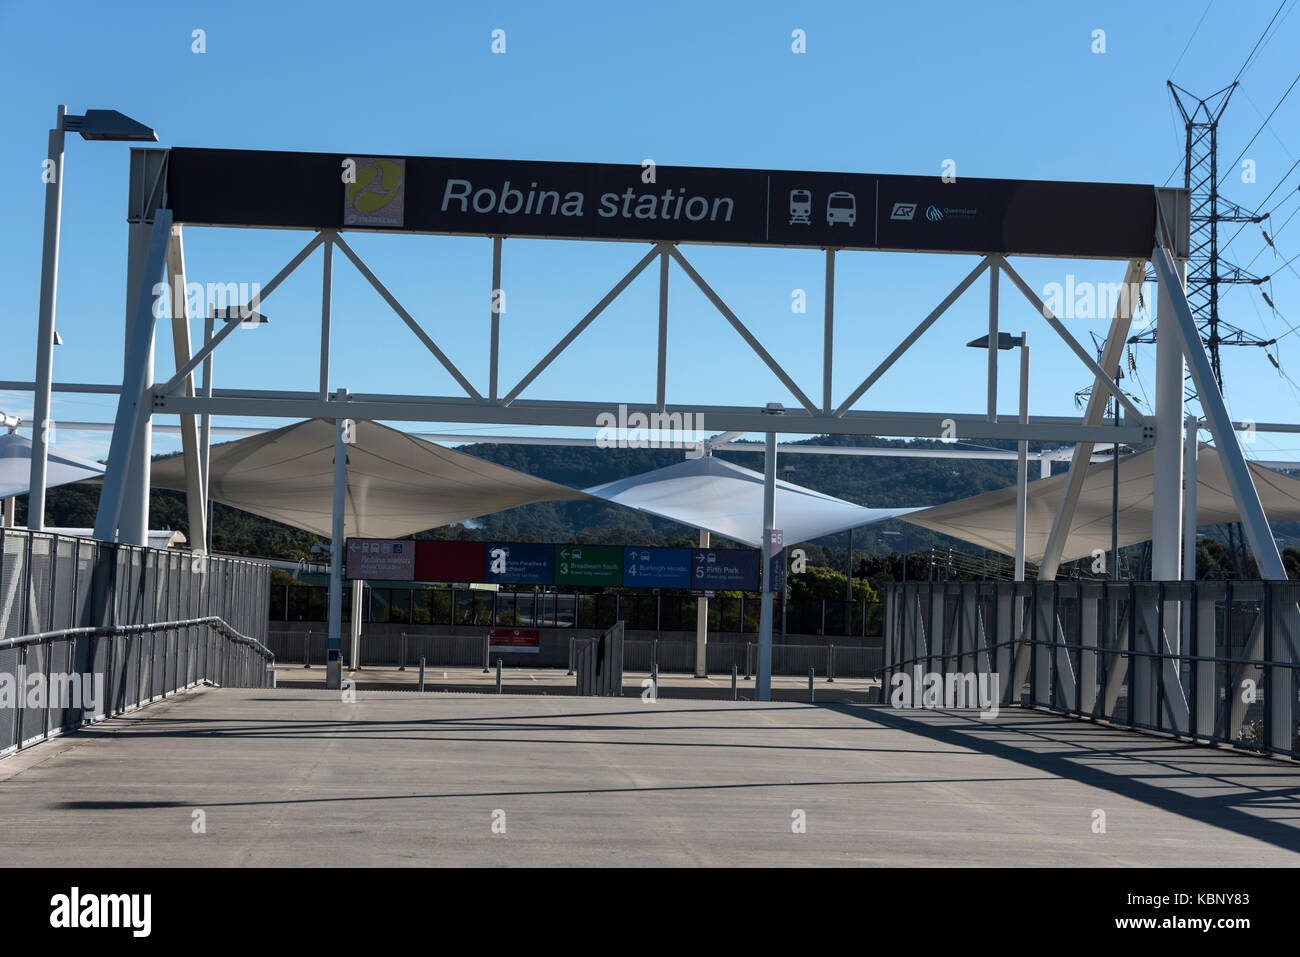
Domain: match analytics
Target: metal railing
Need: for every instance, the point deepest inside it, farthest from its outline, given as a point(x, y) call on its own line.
point(132, 621)
point(1205, 661)
point(65, 679)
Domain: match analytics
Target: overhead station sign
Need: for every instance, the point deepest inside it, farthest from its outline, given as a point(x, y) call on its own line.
point(681, 204)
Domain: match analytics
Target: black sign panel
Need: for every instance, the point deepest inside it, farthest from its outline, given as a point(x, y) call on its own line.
point(678, 204)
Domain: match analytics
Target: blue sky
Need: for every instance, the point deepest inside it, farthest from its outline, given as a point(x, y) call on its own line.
point(1003, 89)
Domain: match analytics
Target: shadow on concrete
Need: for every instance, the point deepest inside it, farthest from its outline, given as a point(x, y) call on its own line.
point(1070, 749)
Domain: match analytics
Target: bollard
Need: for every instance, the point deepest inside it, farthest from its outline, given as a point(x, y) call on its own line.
point(810, 686)
point(498, 676)
point(733, 682)
point(402, 664)
point(485, 654)
point(571, 641)
point(830, 666)
point(654, 678)
point(306, 650)
point(421, 687)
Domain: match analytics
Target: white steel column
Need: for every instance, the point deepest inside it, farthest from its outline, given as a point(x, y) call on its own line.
point(702, 624)
point(334, 648)
point(1167, 504)
point(205, 431)
point(45, 328)
point(763, 671)
point(494, 344)
point(828, 332)
point(132, 403)
point(326, 310)
point(994, 275)
point(1022, 460)
point(1191, 448)
point(358, 610)
point(196, 504)
point(133, 522)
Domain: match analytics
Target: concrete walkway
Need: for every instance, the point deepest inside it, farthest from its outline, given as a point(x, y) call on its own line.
point(299, 777)
point(555, 681)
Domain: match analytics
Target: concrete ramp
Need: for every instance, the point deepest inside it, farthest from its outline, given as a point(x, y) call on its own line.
point(299, 777)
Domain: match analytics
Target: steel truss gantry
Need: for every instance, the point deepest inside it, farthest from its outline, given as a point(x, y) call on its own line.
point(156, 244)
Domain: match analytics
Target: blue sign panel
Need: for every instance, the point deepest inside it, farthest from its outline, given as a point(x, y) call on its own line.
point(515, 563)
point(730, 569)
point(657, 568)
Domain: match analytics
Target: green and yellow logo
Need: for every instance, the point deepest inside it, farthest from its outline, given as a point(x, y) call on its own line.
point(377, 197)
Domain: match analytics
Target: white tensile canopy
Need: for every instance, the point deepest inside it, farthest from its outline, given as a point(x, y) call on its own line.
point(989, 520)
point(16, 465)
point(720, 497)
point(397, 484)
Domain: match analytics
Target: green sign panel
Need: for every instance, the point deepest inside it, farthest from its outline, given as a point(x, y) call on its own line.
point(588, 565)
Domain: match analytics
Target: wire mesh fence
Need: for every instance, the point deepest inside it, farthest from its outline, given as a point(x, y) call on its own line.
point(92, 629)
point(1208, 661)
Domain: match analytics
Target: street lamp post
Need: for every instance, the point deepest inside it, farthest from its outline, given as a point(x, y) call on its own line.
point(1007, 341)
point(94, 125)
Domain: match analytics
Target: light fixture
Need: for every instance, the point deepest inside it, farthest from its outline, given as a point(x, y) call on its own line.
point(109, 125)
point(1005, 341)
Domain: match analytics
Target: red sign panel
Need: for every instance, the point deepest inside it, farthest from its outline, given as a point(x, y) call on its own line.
point(527, 640)
point(449, 561)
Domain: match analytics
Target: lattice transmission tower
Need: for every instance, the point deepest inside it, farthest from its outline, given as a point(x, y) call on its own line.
point(1207, 270)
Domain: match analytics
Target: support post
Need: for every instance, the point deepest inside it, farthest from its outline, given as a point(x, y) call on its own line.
point(763, 677)
point(196, 505)
point(334, 654)
point(1022, 461)
point(994, 275)
point(132, 404)
point(702, 624)
point(828, 332)
point(358, 595)
point(205, 434)
point(45, 327)
point(133, 521)
point(326, 311)
point(495, 344)
point(1191, 448)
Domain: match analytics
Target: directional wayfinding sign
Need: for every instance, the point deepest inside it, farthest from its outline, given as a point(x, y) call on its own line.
point(515, 563)
point(657, 567)
point(589, 565)
point(377, 558)
point(719, 569)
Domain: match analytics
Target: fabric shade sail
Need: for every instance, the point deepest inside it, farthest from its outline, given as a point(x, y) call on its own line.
point(726, 499)
point(397, 484)
point(989, 520)
point(16, 465)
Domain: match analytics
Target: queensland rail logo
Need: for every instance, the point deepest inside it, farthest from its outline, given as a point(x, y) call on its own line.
point(377, 196)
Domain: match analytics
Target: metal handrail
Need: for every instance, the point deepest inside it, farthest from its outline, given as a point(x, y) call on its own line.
point(214, 621)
